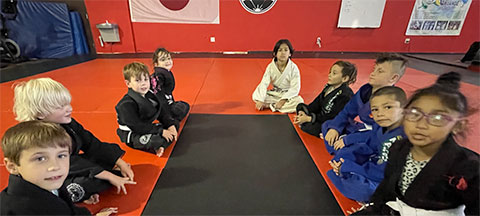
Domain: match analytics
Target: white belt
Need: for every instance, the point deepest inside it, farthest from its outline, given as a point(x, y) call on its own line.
point(405, 209)
point(126, 128)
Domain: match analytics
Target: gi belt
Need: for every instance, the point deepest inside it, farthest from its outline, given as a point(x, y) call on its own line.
point(126, 128)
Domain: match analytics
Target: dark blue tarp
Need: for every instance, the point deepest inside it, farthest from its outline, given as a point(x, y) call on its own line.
point(42, 30)
point(79, 41)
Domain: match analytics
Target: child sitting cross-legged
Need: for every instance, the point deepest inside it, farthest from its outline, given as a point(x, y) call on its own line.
point(94, 165)
point(37, 155)
point(388, 70)
point(330, 101)
point(138, 112)
point(163, 83)
point(430, 173)
point(360, 161)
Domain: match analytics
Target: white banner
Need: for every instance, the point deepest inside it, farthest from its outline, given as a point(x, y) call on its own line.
point(438, 17)
point(175, 11)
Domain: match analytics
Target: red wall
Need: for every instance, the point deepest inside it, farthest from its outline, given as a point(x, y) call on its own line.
point(301, 21)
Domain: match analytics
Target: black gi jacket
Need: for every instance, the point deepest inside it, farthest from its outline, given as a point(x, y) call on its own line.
point(450, 179)
point(326, 107)
point(163, 81)
point(138, 113)
point(97, 155)
point(24, 198)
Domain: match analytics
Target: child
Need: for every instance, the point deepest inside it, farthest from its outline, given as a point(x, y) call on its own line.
point(163, 84)
point(91, 171)
point(137, 111)
point(285, 77)
point(37, 155)
point(360, 161)
point(429, 173)
point(330, 101)
point(389, 68)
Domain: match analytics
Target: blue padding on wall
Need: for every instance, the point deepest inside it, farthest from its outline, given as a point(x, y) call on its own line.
point(79, 41)
point(42, 30)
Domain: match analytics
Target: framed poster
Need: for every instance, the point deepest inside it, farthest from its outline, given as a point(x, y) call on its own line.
point(438, 17)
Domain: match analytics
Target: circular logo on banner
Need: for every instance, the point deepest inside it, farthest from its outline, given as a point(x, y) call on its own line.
point(174, 4)
point(257, 6)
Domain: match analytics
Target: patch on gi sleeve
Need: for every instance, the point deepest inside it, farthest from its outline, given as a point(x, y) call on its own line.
point(76, 192)
point(145, 139)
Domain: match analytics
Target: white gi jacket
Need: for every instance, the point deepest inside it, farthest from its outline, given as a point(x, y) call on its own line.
point(286, 85)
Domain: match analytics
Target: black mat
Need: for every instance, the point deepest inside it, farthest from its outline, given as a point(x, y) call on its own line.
point(240, 165)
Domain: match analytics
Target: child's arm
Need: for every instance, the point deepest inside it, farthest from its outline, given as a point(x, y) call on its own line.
point(92, 147)
point(117, 181)
point(79, 166)
point(165, 118)
point(157, 81)
point(359, 137)
point(260, 92)
point(125, 169)
point(350, 111)
point(338, 105)
point(107, 211)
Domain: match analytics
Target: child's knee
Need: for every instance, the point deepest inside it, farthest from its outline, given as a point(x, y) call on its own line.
point(148, 142)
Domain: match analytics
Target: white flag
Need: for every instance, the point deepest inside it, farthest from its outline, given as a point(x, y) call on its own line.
point(175, 11)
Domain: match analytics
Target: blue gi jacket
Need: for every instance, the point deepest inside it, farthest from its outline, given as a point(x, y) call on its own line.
point(359, 106)
point(364, 154)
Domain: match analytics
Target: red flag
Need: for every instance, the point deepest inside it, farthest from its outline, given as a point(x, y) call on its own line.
point(175, 11)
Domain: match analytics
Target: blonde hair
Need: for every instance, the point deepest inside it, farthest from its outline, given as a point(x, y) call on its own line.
point(38, 97)
point(135, 69)
point(29, 134)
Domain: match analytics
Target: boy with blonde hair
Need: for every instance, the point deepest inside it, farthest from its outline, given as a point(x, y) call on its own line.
point(139, 110)
point(91, 171)
point(37, 155)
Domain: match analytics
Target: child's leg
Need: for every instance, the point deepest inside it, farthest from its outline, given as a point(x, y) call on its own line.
point(82, 188)
point(312, 128)
point(353, 186)
point(179, 110)
point(303, 107)
point(148, 142)
point(291, 105)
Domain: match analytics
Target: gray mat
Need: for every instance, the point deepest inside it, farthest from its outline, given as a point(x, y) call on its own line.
point(240, 165)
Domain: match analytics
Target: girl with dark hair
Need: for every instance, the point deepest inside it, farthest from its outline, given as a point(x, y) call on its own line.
point(163, 84)
point(330, 101)
point(429, 173)
point(284, 75)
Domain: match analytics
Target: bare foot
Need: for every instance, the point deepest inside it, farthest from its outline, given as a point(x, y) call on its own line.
point(94, 199)
point(160, 151)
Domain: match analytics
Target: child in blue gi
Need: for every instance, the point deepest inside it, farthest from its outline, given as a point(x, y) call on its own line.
point(389, 68)
point(330, 101)
point(359, 163)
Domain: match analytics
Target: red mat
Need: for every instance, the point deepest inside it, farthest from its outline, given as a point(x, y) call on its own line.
point(214, 86)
